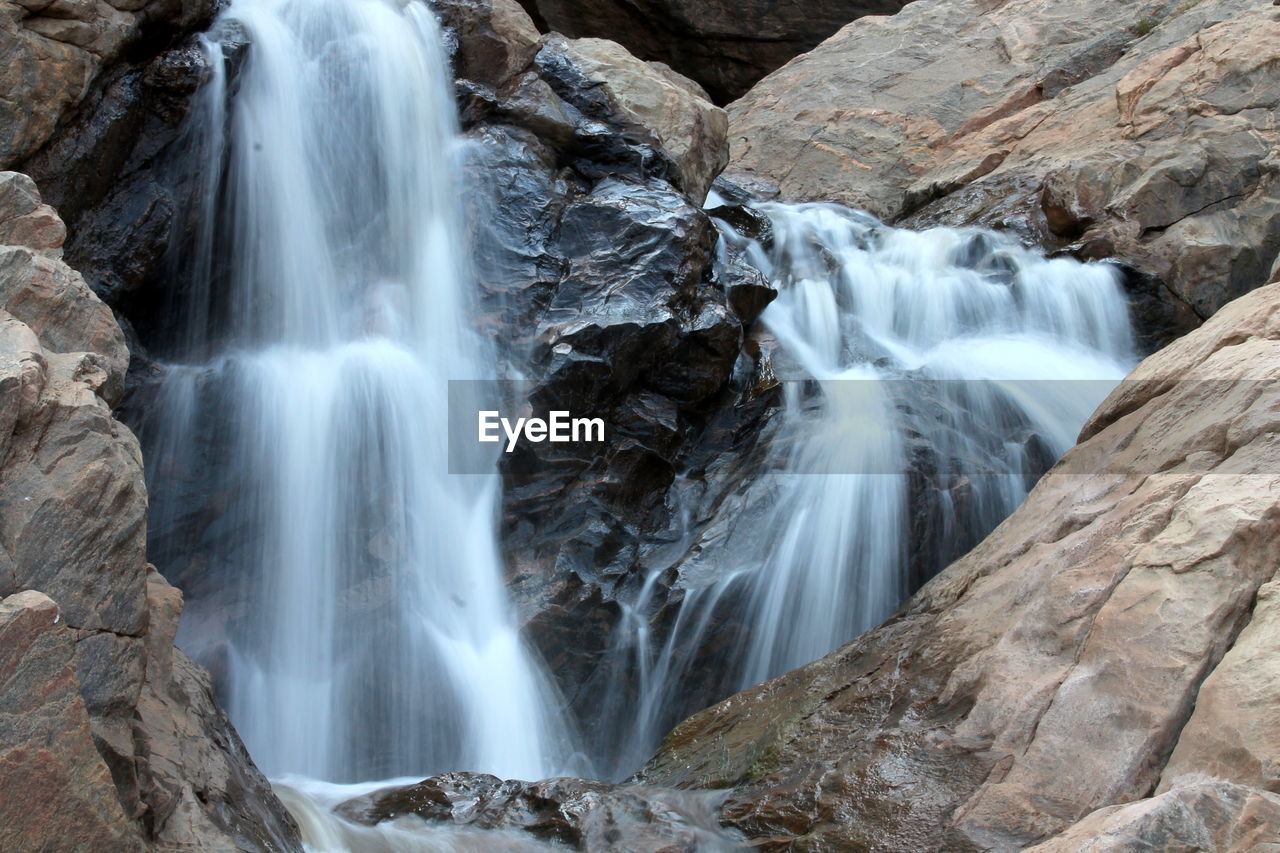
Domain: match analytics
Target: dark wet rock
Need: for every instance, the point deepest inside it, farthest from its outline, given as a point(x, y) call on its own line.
point(725, 46)
point(574, 813)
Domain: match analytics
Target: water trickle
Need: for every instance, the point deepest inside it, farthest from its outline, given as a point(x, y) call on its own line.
point(371, 636)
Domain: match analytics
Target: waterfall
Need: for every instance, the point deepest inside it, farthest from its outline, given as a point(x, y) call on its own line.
point(348, 592)
point(330, 307)
point(989, 353)
point(929, 379)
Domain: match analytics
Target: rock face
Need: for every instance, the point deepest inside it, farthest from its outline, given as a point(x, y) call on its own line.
point(602, 278)
point(1141, 131)
point(1208, 815)
point(1052, 671)
point(110, 736)
point(725, 46)
point(55, 52)
point(574, 814)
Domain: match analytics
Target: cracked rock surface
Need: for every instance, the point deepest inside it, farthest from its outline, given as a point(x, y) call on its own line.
point(1088, 652)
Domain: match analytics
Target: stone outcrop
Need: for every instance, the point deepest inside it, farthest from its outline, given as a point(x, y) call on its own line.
point(93, 99)
point(109, 736)
point(573, 814)
point(1234, 731)
point(55, 52)
point(725, 46)
point(602, 278)
point(588, 98)
point(55, 788)
point(1200, 814)
point(1141, 131)
point(1054, 670)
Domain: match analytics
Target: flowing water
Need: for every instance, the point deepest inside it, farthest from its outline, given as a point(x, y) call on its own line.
point(992, 354)
point(929, 379)
point(373, 636)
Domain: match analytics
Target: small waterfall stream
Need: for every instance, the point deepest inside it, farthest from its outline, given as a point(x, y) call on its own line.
point(929, 379)
point(992, 354)
point(374, 638)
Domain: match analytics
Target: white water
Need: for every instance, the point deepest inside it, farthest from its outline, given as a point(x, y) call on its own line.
point(1008, 343)
point(376, 639)
point(956, 347)
point(312, 805)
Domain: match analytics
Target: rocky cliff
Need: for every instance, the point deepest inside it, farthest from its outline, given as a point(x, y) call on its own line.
point(1109, 641)
point(109, 736)
point(1140, 131)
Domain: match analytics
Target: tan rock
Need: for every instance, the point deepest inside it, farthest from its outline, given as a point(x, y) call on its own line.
point(55, 790)
point(1050, 672)
point(1200, 815)
point(53, 52)
point(726, 46)
point(73, 504)
point(1144, 131)
point(681, 123)
point(1235, 730)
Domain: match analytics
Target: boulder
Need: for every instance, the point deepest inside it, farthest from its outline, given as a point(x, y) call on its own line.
point(55, 789)
point(1199, 814)
point(602, 80)
point(493, 40)
point(725, 46)
point(573, 814)
point(1139, 131)
point(1051, 671)
point(111, 738)
point(55, 52)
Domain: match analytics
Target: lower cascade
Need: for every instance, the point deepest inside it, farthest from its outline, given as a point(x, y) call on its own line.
point(929, 379)
point(954, 356)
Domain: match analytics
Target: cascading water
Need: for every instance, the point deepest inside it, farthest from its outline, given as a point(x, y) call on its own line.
point(985, 350)
point(374, 638)
point(933, 377)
